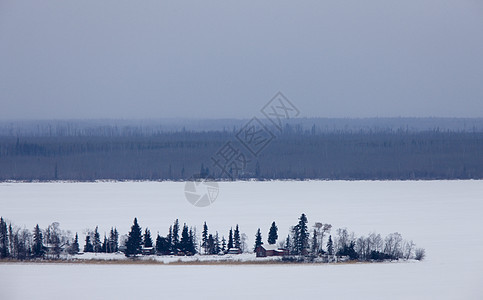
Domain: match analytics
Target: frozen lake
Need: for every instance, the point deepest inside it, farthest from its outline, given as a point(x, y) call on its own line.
point(444, 217)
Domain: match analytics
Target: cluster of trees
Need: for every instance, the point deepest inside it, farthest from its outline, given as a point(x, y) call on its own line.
point(173, 243)
point(319, 242)
point(185, 244)
point(301, 241)
point(93, 242)
point(213, 244)
point(22, 244)
point(398, 155)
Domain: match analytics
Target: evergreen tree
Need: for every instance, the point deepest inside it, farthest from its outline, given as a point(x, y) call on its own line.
point(169, 238)
point(12, 243)
point(38, 246)
point(75, 244)
point(273, 234)
point(186, 245)
point(236, 237)
point(258, 239)
point(3, 239)
point(301, 236)
point(175, 237)
point(192, 237)
point(217, 243)
point(223, 244)
point(113, 245)
point(96, 242)
point(204, 238)
point(211, 244)
point(348, 250)
point(148, 242)
point(162, 245)
point(288, 244)
point(230, 239)
point(88, 246)
point(104, 245)
point(74, 248)
point(134, 240)
point(295, 239)
point(330, 246)
point(158, 246)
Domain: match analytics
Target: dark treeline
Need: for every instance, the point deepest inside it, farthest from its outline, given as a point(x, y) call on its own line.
point(101, 127)
point(302, 243)
point(295, 153)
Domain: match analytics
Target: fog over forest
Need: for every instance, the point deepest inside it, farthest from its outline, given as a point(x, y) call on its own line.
point(352, 149)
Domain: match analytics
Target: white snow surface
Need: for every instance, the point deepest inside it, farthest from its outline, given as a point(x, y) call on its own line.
point(166, 259)
point(444, 217)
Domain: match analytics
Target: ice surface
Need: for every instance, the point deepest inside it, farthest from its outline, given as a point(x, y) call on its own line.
point(444, 217)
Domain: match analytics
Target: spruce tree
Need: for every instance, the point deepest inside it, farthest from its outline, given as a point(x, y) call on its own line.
point(302, 235)
point(113, 244)
point(75, 245)
point(88, 246)
point(185, 244)
point(288, 244)
point(258, 239)
point(192, 238)
point(230, 239)
point(38, 246)
point(3, 239)
point(148, 241)
point(236, 237)
point(217, 243)
point(175, 237)
point(116, 240)
point(12, 243)
point(134, 240)
point(223, 244)
point(273, 234)
point(211, 244)
point(169, 238)
point(295, 239)
point(104, 246)
point(330, 246)
point(162, 245)
point(158, 246)
point(96, 243)
point(204, 238)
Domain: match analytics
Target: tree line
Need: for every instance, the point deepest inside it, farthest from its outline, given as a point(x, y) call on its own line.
point(397, 155)
point(109, 128)
point(302, 243)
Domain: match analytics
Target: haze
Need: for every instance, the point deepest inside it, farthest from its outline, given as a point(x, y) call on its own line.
point(226, 59)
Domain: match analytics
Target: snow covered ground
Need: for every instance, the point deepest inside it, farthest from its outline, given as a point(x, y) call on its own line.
point(444, 217)
point(167, 259)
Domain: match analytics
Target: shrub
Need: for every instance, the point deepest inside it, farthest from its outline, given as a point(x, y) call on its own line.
point(376, 255)
point(419, 254)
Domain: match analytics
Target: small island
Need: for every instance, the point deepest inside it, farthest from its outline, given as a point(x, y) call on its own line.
point(302, 245)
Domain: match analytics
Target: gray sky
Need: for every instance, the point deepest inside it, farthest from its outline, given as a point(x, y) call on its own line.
point(224, 59)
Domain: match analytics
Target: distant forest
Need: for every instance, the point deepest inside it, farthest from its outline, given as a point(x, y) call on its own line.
point(74, 151)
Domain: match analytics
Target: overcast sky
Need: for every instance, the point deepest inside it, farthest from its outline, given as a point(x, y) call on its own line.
point(223, 59)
